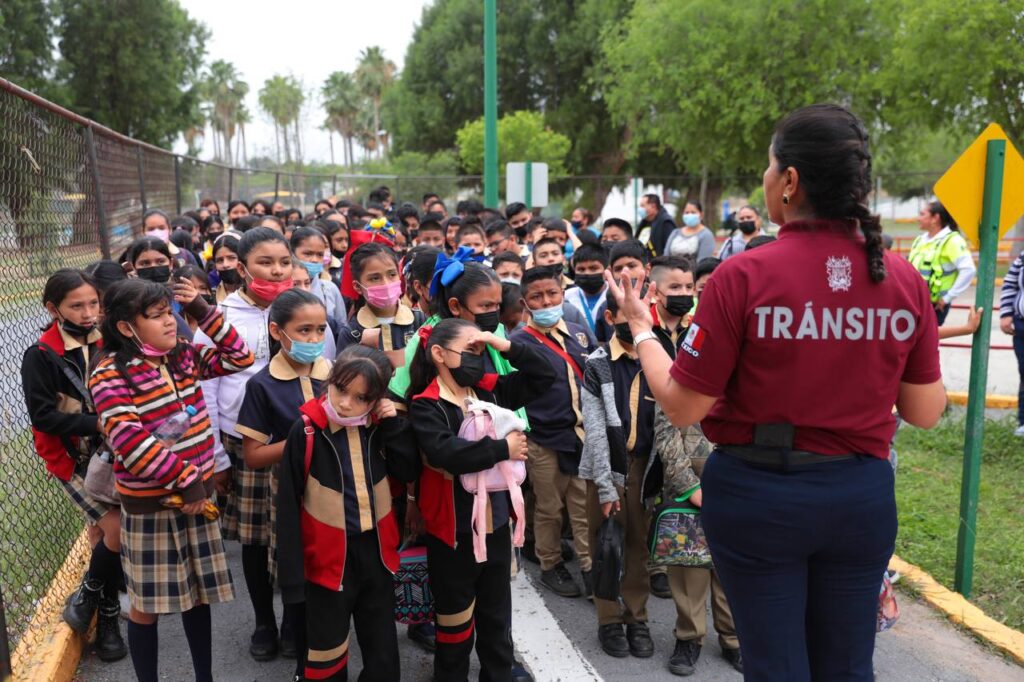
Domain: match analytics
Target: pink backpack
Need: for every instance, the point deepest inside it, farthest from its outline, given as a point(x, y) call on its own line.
point(506, 475)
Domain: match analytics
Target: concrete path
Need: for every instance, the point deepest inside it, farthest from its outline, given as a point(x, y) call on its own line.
point(557, 638)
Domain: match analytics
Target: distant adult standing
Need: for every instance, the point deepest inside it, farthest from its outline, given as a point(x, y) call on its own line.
point(693, 240)
point(657, 222)
point(748, 226)
point(798, 497)
point(1011, 322)
point(942, 256)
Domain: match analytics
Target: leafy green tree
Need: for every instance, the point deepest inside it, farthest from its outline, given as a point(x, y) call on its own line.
point(225, 91)
point(130, 65)
point(26, 49)
point(522, 136)
point(342, 104)
point(281, 97)
point(374, 75)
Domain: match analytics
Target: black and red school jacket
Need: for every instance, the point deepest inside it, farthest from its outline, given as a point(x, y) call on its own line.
point(63, 420)
point(319, 506)
point(436, 418)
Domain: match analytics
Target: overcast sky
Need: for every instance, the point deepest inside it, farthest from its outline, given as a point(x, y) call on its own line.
point(306, 38)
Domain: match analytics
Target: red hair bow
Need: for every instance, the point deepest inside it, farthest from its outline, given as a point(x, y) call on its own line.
point(424, 333)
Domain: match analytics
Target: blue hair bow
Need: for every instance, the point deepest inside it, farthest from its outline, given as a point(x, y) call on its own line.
point(447, 270)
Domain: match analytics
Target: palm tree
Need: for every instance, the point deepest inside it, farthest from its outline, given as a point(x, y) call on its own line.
point(366, 130)
point(242, 119)
point(281, 97)
point(341, 102)
point(375, 74)
point(224, 89)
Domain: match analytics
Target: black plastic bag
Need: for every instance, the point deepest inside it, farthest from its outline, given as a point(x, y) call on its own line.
point(608, 564)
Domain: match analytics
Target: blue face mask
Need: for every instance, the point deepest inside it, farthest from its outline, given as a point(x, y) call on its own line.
point(547, 317)
point(691, 219)
point(304, 352)
point(314, 269)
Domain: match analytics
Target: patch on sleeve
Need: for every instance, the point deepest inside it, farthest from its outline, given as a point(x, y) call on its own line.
point(694, 340)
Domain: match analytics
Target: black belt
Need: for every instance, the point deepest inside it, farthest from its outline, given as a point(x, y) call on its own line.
point(779, 458)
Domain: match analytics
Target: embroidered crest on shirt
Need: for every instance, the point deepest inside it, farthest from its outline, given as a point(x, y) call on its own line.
point(694, 340)
point(840, 273)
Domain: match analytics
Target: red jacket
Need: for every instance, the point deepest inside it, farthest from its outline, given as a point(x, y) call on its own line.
point(311, 532)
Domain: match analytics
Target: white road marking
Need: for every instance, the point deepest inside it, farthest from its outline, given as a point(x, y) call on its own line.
point(547, 651)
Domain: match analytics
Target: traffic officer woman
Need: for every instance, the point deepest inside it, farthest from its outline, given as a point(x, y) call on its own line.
point(942, 256)
point(795, 382)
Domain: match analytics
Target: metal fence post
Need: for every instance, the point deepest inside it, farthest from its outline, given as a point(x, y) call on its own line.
point(142, 180)
point(177, 184)
point(334, 185)
point(101, 211)
point(277, 185)
point(231, 183)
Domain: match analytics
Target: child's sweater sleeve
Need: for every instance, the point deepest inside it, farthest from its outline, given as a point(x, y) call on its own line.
point(534, 376)
point(39, 380)
point(141, 454)
point(230, 354)
point(595, 463)
point(291, 486)
point(670, 444)
point(445, 450)
point(1011, 288)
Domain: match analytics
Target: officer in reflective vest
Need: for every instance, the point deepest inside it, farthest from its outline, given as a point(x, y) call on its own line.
point(942, 257)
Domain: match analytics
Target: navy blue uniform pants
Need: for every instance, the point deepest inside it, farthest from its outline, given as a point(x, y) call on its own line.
point(1018, 350)
point(801, 554)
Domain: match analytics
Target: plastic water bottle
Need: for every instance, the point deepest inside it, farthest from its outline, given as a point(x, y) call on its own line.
point(171, 431)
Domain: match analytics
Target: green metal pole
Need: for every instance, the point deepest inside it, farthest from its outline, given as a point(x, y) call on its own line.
point(988, 235)
point(529, 186)
point(491, 103)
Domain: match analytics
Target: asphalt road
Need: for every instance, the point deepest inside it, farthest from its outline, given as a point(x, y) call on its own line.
point(557, 639)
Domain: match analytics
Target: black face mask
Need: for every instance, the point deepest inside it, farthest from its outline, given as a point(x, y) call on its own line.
point(213, 236)
point(747, 226)
point(75, 329)
point(470, 371)
point(678, 305)
point(230, 277)
point(340, 255)
point(158, 273)
point(210, 298)
point(623, 333)
point(488, 322)
point(590, 284)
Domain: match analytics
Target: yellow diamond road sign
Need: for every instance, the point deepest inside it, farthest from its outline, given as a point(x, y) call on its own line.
point(961, 187)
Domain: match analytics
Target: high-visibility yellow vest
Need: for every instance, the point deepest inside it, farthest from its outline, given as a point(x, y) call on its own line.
point(936, 261)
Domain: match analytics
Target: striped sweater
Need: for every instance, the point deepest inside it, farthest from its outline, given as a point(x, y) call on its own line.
point(131, 408)
point(1010, 298)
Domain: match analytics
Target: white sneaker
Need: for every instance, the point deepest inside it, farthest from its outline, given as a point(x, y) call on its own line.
point(1019, 432)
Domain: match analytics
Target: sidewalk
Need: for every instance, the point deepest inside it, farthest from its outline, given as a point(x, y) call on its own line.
point(549, 631)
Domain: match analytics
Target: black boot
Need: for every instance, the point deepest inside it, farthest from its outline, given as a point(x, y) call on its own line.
point(109, 644)
point(82, 604)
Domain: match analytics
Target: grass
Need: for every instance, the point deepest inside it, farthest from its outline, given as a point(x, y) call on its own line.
point(928, 493)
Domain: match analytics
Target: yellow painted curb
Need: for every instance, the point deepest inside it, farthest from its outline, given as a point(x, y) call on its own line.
point(53, 655)
point(961, 611)
point(999, 402)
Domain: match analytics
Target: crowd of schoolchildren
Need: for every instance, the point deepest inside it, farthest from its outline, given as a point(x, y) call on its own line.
point(299, 384)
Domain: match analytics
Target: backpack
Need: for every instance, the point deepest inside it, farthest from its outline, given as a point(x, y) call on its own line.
point(607, 559)
point(507, 475)
point(676, 537)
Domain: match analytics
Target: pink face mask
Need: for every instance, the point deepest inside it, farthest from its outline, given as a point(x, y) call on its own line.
point(162, 235)
point(327, 258)
point(384, 295)
point(148, 350)
point(337, 419)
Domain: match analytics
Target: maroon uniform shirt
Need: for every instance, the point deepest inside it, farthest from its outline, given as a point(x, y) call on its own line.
point(796, 332)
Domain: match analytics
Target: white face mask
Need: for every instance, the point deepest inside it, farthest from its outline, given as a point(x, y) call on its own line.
point(511, 280)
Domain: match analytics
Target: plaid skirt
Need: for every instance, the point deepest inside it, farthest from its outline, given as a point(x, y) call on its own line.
point(75, 489)
point(173, 562)
point(246, 516)
point(272, 485)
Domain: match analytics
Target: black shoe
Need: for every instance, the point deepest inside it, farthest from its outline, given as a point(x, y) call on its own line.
point(684, 659)
point(529, 552)
point(613, 640)
point(559, 581)
point(424, 634)
point(520, 673)
point(568, 553)
point(639, 638)
point(659, 586)
point(286, 642)
point(263, 644)
point(735, 658)
point(109, 644)
point(82, 605)
point(588, 584)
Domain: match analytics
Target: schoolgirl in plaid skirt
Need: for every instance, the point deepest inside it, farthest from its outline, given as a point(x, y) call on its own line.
point(171, 547)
